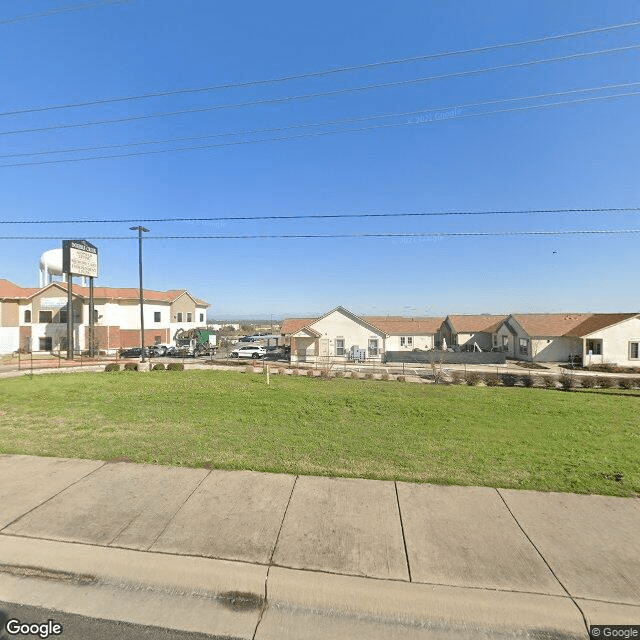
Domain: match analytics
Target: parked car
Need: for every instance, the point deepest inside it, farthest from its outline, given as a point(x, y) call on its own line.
point(134, 352)
point(247, 339)
point(157, 350)
point(248, 351)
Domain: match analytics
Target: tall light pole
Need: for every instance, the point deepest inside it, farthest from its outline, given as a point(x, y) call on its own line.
point(140, 230)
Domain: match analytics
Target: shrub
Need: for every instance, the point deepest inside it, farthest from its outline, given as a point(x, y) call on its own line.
point(175, 366)
point(509, 380)
point(130, 366)
point(112, 366)
point(401, 378)
point(368, 376)
point(605, 382)
point(587, 382)
point(472, 378)
point(310, 373)
point(492, 380)
point(457, 377)
point(325, 374)
point(528, 380)
point(339, 374)
point(625, 383)
point(158, 367)
point(385, 376)
point(549, 382)
point(280, 370)
point(568, 381)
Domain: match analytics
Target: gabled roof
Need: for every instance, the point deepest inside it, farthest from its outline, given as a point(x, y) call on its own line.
point(292, 325)
point(549, 324)
point(10, 290)
point(398, 325)
point(471, 323)
point(599, 321)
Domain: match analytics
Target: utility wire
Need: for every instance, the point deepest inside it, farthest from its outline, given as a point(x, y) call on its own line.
point(446, 234)
point(68, 9)
point(332, 93)
point(315, 134)
point(322, 73)
point(335, 215)
point(432, 110)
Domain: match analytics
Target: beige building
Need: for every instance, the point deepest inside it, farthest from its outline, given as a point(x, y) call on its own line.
point(592, 338)
point(341, 335)
point(35, 319)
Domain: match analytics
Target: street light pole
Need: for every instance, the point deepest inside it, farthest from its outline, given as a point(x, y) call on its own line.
point(140, 230)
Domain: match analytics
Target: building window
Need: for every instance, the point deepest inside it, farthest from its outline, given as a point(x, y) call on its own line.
point(202, 317)
point(179, 316)
point(339, 346)
point(524, 346)
point(495, 339)
point(634, 350)
point(157, 340)
point(595, 347)
point(156, 316)
point(505, 343)
point(189, 317)
point(373, 347)
point(406, 341)
point(96, 315)
point(45, 317)
point(27, 316)
point(46, 344)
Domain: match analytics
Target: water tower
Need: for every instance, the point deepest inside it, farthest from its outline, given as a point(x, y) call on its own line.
point(51, 265)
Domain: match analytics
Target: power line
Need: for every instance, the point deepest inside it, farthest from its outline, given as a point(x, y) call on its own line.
point(317, 133)
point(322, 73)
point(445, 234)
point(332, 93)
point(322, 123)
point(68, 9)
point(336, 215)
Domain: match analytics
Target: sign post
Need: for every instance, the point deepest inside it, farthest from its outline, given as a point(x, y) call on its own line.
point(79, 258)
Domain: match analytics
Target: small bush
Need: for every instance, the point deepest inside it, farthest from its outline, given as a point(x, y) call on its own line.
point(509, 380)
point(339, 374)
point(310, 373)
point(401, 378)
point(158, 367)
point(112, 366)
point(473, 378)
point(587, 382)
point(625, 383)
point(528, 380)
point(175, 366)
point(492, 380)
point(368, 376)
point(325, 374)
point(280, 370)
point(567, 381)
point(457, 377)
point(130, 366)
point(549, 382)
point(605, 382)
point(385, 376)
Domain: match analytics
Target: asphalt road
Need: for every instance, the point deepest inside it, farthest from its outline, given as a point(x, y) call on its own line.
point(75, 627)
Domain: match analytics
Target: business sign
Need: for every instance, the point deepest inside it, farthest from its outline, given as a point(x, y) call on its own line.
point(80, 258)
point(53, 303)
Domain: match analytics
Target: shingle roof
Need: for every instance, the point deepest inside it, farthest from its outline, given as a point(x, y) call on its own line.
point(471, 323)
point(550, 324)
point(598, 321)
point(10, 290)
point(291, 325)
point(398, 325)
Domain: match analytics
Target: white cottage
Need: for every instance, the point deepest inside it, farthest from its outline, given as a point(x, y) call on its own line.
point(341, 335)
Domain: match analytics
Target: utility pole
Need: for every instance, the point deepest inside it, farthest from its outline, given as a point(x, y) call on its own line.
point(140, 230)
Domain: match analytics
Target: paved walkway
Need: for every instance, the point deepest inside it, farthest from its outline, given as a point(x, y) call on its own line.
point(273, 556)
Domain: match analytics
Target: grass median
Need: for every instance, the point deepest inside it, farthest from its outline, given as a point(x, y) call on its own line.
point(500, 437)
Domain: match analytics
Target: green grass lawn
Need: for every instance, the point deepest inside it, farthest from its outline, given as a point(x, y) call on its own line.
point(499, 437)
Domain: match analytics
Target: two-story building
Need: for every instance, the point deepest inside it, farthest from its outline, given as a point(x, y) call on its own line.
point(35, 319)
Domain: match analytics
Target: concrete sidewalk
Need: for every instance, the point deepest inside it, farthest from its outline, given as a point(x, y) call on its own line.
point(270, 556)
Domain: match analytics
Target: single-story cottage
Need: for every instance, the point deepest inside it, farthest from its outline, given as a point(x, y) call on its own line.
point(470, 330)
point(593, 338)
point(340, 335)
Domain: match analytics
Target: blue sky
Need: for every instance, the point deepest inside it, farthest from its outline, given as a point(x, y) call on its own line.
point(581, 155)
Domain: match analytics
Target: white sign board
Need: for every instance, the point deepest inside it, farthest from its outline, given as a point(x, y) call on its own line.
point(80, 258)
point(53, 303)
